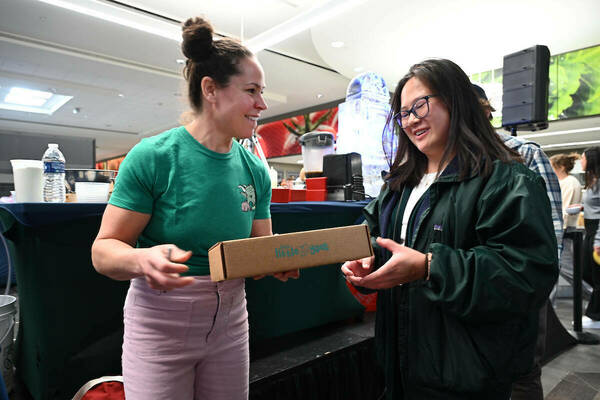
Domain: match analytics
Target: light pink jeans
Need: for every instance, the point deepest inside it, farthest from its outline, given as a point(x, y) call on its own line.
point(187, 343)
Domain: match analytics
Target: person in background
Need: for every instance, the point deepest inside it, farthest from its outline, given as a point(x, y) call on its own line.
point(570, 188)
point(571, 191)
point(590, 163)
point(536, 160)
point(176, 195)
point(465, 252)
point(529, 386)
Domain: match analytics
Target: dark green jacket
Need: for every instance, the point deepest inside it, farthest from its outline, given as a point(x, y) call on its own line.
point(472, 327)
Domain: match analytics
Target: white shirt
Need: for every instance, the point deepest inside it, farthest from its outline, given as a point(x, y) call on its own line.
point(414, 197)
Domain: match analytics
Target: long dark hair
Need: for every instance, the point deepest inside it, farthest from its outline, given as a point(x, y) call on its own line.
point(472, 137)
point(592, 165)
point(218, 59)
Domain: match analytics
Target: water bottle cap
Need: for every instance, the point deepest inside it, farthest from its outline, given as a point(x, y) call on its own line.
point(52, 145)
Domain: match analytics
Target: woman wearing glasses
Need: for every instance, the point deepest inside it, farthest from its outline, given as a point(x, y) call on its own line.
point(465, 247)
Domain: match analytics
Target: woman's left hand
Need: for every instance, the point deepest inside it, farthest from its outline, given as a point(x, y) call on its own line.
point(405, 265)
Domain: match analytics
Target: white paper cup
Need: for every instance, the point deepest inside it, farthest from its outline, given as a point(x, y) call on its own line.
point(28, 179)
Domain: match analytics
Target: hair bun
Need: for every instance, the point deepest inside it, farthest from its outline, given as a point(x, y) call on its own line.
point(197, 36)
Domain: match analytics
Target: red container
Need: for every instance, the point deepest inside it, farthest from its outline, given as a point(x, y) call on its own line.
point(316, 183)
point(280, 195)
point(298, 195)
point(316, 195)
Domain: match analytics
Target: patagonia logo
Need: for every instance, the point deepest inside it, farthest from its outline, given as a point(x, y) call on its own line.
point(300, 251)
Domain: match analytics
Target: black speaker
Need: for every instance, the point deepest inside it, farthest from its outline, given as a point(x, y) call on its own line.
point(525, 89)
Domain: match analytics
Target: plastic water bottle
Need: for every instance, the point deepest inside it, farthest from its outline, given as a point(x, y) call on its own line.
point(54, 175)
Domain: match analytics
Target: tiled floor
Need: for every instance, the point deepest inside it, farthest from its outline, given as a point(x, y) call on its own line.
point(577, 361)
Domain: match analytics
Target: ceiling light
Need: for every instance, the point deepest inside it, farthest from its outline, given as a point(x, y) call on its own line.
point(557, 133)
point(319, 95)
point(337, 44)
point(121, 95)
point(155, 26)
point(27, 97)
point(358, 69)
point(570, 144)
point(299, 23)
point(76, 110)
point(28, 100)
point(180, 61)
point(122, 16)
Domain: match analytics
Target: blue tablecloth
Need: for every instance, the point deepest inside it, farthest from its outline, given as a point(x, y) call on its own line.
point(71, 317)
point(36, 214)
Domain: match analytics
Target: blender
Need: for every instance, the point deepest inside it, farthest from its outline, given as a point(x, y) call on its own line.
point(315, 145)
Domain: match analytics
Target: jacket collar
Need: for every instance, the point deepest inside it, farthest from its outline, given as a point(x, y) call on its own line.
point(451, 172)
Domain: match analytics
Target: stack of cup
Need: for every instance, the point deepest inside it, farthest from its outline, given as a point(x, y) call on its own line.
point(28, 179)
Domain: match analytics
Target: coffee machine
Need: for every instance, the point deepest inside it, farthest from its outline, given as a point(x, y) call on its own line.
point(344, 177)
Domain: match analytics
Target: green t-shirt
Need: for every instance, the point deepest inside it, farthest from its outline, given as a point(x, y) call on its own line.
point(196, 197)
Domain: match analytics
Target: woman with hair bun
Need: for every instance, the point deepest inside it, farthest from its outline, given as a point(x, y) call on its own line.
point(570, 188)
point(177, 194)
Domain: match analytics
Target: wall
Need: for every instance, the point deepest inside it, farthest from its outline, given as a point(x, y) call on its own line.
point(78, 152)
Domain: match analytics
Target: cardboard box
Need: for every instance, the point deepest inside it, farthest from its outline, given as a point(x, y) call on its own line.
point(268, 254)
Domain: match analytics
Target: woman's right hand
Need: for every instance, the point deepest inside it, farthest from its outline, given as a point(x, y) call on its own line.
point(358, 268)
point(161, 266)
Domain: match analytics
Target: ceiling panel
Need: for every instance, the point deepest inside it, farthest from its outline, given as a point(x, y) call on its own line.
point(48, 47)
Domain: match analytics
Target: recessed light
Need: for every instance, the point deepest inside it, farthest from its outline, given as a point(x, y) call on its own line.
point(337, 44)
point(36, 101)
point(358, 69)
point(27, 97)
point(121, 95)
point(76, 110)
point(180, 61)
point(319, 95)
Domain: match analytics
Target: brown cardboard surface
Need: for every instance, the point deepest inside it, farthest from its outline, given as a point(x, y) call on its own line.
point(268, 254)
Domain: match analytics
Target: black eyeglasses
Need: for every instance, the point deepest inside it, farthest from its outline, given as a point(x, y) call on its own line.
point(420, 109)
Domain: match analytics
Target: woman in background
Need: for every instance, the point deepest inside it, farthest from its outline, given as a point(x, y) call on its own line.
point(590, 163)
point(176, 195)
point(570, 188)
point(571, 191)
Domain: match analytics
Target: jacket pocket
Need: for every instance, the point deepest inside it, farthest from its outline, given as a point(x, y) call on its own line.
point(448, 354)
